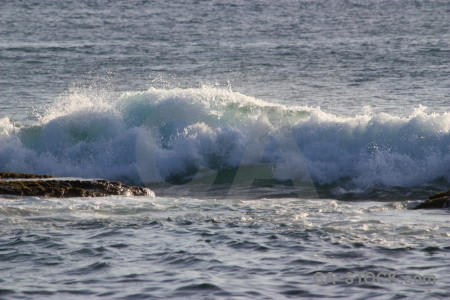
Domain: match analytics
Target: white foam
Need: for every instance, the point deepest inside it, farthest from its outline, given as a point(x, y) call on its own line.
point(92, 133)
point(6, 126)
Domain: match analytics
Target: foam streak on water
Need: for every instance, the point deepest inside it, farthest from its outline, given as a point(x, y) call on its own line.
point(167, 247)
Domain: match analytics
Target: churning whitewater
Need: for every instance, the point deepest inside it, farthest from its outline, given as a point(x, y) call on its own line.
point(96, 133)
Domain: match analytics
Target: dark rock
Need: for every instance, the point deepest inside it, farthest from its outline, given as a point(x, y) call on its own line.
point(10, 175)
point(31, 185)
point(439, 200)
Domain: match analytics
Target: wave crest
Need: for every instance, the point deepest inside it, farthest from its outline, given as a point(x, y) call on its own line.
point(178, 132)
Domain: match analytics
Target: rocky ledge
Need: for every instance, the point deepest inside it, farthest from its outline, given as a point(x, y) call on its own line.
point(10, 175)
point(44, 186)
point(439, 200)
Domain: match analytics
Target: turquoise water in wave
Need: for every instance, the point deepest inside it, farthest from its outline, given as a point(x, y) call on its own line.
point(286, 143)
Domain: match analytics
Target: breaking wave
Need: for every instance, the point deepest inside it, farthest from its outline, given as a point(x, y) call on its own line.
point(172, 134)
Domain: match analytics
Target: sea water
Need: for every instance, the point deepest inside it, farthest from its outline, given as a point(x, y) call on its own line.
point(286, 142)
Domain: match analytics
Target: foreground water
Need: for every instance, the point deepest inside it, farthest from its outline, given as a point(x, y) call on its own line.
point(159, 248)
point(285, 141)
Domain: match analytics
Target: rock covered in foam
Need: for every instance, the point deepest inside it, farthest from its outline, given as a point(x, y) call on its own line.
point(439, 200)
point(39, 185)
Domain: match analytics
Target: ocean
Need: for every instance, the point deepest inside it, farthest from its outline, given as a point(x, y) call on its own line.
point(286, 142)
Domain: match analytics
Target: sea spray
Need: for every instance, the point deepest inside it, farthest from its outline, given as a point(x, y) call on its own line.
point(176, 133)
